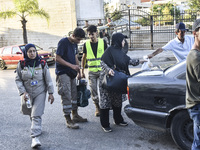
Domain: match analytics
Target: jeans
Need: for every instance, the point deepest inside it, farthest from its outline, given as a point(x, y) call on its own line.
point(194, 113)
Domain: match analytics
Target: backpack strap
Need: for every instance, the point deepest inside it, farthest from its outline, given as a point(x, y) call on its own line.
point(43, 63)
point(22, 63)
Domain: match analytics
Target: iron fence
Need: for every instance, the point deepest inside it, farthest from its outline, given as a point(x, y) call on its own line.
point(149, 30)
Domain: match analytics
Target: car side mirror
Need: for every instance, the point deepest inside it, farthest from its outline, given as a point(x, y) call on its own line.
point(18, 53)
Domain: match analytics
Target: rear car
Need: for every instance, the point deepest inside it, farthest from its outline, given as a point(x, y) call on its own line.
point(157, 101)
point(11, 55)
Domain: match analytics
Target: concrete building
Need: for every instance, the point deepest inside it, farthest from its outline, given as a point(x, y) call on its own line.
point(64, 15)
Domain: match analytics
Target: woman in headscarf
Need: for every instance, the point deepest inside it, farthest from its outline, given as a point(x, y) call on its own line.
point(113, 58)
point(33, 81)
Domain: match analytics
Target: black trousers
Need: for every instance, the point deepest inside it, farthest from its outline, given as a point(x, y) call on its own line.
point(104, 116)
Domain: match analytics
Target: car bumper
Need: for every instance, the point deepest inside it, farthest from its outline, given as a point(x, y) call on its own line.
point(147, 118)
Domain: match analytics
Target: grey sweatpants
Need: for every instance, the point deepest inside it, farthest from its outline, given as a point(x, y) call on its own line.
point(68, 91)
point(36, 112)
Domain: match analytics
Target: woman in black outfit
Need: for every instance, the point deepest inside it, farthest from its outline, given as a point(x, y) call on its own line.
point(113, 58)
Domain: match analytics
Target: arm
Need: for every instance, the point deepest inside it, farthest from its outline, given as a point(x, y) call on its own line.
point(77, 64)
point(48, 83)
point(106, 69)
point(19, 82)
point(65, 63)
point(159, 50)
point(83, 62)
point(134, 62)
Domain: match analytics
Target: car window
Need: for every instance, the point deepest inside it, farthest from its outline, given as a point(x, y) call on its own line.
point(15, 50)
point(22, 48)
point(7, 50)
point(182, 76)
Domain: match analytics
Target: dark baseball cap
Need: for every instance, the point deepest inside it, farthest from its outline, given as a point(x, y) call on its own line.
point(181, 26)
point(196, 24)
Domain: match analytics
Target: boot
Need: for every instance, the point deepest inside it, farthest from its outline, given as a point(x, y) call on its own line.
point(70, 123)
point(77, 118)
point(97, 112)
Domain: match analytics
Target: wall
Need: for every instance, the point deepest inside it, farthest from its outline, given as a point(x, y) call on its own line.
point(90, 9)
point(62, 20)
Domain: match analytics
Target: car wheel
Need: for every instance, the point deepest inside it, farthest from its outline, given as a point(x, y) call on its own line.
point(2, 65)
point(182, 130)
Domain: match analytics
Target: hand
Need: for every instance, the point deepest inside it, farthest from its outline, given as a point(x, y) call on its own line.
point(79, 76)
point(76, 67)
point(25, 95)
point(111, 72)
point(51, 98)
point(142, 61)
point(83, 75)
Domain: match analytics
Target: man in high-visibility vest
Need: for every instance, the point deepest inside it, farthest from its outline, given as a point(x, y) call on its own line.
point(93, 49)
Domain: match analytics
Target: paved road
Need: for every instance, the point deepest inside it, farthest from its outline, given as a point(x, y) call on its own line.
point(15, 128)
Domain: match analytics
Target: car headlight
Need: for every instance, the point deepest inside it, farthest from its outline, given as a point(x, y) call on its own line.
point(42, 56)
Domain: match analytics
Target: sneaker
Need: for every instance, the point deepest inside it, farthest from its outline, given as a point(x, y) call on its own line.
point(122, 123)
point(108, 129)
point(35, 142)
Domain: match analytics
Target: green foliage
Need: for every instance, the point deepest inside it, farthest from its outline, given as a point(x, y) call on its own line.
point(7, 14)
point(143, 21)
point(165, 13)
point(194, 4)
point(116, 15)
point(24, 8)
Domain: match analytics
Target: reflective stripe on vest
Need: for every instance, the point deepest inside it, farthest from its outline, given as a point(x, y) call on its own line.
point(94, 63)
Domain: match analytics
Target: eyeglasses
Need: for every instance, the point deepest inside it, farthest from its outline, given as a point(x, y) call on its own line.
point(31, 51)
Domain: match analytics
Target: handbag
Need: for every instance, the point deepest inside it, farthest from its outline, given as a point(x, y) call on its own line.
point(116, 83)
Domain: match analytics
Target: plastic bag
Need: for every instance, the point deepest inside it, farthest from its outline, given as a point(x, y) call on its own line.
point(146, 65)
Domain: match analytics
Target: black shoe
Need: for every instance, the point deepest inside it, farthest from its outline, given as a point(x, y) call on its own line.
point(108, 129)
point(122, 123)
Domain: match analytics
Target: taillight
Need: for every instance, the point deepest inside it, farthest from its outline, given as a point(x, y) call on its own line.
point(128, 92)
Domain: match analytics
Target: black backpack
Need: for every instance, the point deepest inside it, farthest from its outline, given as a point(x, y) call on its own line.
point(83, 94)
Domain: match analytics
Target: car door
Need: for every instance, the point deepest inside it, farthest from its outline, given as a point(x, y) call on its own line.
point(6, 55)
point(16, 55)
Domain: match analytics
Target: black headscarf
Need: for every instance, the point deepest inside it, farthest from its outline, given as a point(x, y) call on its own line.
point(117, 39)
point(28, 61)
point(114, 57)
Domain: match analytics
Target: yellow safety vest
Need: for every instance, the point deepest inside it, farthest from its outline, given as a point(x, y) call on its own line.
point(94, 63)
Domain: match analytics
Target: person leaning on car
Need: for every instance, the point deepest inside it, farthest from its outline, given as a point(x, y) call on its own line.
point(93, 49)
point(180, 46)
point(193, 84)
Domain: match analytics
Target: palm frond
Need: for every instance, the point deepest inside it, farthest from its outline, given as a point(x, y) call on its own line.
point(25, 6)
point(40, 12)
point(7, 14)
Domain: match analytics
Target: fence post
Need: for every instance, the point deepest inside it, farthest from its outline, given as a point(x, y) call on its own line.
point(129, 24)
point(151, 28)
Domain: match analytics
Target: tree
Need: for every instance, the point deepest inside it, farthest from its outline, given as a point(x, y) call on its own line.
point(116, 15)
point(194, 4)
point(23, 9)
